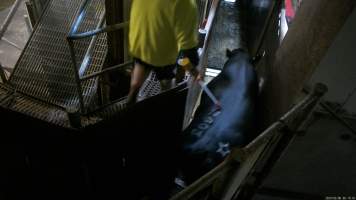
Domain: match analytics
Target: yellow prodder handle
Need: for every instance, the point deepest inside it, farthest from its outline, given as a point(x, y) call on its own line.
point(187, 66)
point(185, 63)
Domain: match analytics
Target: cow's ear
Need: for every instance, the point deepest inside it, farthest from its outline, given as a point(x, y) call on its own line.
point(228, 53)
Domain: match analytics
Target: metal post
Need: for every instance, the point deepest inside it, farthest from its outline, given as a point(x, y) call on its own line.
point(28, 24)
point(31, 12)
point(74, 118)
point(2, 74)
point(76, 75)
point(9, 17)
point(91, 46)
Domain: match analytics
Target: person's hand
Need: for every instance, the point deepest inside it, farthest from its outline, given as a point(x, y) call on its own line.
point(196, 74)
point(188, 66)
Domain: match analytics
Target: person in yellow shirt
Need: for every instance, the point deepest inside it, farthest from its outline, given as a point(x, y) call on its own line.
point(160, 31)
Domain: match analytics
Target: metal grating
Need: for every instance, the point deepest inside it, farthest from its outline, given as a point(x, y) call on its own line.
point(11, 100)
point(44, 69)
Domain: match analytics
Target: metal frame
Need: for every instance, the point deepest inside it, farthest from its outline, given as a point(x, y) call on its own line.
point(73, 35)
point(3, 77)
point(195, 89)
point(268, 144)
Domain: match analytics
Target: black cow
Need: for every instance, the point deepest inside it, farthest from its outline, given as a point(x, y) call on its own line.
point(213, 132)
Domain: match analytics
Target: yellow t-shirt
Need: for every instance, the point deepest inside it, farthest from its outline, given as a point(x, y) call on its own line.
point(160, 28)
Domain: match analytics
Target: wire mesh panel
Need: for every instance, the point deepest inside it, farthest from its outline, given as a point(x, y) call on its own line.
point(45, 69)
point(150, 87)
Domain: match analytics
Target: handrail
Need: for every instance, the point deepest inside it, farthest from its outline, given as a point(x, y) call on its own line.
point(106, 70)
point(195, 89)
point(91, 33)
point(76, 23)
point(3, 77)
point(265, 28)
point(73, 35)
point(78, 17)
point(90, 47)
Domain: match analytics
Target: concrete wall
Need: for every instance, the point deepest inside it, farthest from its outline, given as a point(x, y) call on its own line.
point(288, 66)
point(338, 68)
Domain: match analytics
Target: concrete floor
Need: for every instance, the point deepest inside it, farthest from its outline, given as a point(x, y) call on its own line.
point(16, 33)
point(321, 163)
point(224, 35)
point(5, 4)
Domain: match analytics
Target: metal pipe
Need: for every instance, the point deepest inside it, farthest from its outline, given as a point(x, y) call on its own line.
point(91, 33)
point(9, 17)
point(76, 75)
point(205, 12)
point(38, 6)
point(106, 70)
point(91, 46)
point(262, 36)
point(194, 91)
point(2, 74)
point(337, 117)
point(31, 12)
point(210, 94)
point(78, 17)
point(28, 25)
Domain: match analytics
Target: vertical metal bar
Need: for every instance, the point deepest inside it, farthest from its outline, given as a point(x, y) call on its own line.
point(31, 14)
point(114, 15)
point(2, 74)
point(205, 11)
point(9, 17)
point(34, 11)
point(28, 24)
point(91, 46)
point(78, 17)
point(76, 75)
point(38, 7)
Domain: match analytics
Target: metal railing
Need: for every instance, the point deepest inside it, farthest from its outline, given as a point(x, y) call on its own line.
point(206, 22)
point(242, 160)
point(204, 9)
point(74, 35)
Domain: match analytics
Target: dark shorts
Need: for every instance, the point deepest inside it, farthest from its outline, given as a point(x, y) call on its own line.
point(162, 73)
